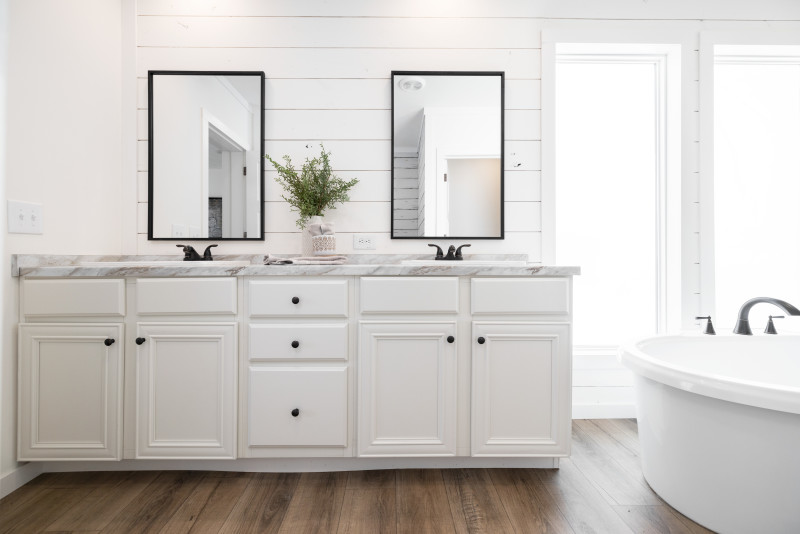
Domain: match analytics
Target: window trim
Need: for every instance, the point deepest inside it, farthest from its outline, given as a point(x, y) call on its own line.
point(670, 57)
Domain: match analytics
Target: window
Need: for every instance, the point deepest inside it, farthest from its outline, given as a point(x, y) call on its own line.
point(617, 184)
point(756, 222)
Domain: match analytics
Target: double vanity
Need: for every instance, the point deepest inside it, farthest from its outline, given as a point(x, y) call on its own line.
point(383, 361)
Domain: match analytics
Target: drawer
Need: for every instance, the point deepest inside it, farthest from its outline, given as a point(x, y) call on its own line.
point(203, 296)
point(298, 298)
point(409, 295)
point(319, 396)
point(298, 342)
point(516, 296)
point(73, 297)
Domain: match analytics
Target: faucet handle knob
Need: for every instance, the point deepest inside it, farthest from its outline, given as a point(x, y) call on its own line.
point(709, 326)
point(770, 329)
point(439, 251)
point(458, 251)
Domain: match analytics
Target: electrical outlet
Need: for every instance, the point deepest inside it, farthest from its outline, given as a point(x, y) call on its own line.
point(363, 242)
point(25, 217)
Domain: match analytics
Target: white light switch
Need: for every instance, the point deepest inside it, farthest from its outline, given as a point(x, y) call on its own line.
point(25, 217)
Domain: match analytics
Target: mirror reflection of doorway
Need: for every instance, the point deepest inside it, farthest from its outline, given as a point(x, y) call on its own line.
point(226, 182)
point(215, 217)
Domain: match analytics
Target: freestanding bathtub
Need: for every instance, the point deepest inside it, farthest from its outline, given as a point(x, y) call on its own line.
point(719, 427)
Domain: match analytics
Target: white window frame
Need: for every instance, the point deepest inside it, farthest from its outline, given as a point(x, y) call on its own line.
point(676, 61)
point(708, 41)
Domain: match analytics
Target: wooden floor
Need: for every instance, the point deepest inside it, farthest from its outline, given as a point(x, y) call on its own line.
point(599, 489)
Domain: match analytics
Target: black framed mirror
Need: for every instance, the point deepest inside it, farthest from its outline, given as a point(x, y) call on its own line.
point(447, 154)
point(205, 155)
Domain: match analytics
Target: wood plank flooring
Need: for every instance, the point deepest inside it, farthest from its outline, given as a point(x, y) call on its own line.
point(599, 489)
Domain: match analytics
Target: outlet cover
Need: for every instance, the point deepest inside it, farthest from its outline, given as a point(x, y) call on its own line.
point(25, 217)
point(363, 242)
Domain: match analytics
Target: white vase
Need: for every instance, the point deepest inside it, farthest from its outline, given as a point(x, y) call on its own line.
point(308, 245)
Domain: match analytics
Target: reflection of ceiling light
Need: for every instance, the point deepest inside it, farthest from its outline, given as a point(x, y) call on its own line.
point(412, 83)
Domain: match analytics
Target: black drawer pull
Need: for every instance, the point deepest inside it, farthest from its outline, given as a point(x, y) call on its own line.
point(109, 342)
point(140, 340)
point(295, 344)
point(481, 340)
point(295, 412)
point(295, 300)
point(451, 339)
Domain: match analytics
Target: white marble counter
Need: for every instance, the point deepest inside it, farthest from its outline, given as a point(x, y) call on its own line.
point(42, 266)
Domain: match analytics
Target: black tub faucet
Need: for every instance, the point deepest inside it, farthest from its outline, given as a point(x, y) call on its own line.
point(743, 324)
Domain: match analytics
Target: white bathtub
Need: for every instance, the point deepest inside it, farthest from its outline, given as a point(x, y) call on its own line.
point(719, 426)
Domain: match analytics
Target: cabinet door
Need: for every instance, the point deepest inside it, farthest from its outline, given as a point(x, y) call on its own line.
point(186, 390)
point(70, 387)
point(521, 386)
point(407, 389)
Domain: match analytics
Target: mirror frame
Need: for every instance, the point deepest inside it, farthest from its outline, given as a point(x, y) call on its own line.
point(150, 148)
point(501, 74)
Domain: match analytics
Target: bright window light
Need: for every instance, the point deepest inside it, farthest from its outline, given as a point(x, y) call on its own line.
point(756, 180)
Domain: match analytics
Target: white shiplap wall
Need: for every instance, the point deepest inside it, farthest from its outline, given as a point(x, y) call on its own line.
point(328, 81)
point(328, 66)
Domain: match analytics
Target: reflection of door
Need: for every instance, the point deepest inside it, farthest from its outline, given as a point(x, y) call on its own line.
point(215, 217)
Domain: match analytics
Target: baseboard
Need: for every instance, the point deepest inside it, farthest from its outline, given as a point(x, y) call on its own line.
point(300, 465)
point(19, 477)
point(603, 411)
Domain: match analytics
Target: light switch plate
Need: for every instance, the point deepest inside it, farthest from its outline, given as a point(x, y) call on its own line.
point(25, 217)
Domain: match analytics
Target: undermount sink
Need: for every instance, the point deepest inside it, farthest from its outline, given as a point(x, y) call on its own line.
point(165, 263)
point(466, 263)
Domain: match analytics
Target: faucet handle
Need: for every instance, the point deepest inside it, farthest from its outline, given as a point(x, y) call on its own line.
point(207, 253)
point(458, 251)
point(770, 329)
point(439, 251)
point(709, 327)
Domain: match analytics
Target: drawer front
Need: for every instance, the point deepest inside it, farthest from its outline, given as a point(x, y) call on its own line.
point(202, 296)
point(298, 298)
point(292, 406)
point(515, 296)
point(409, 295)
point(298, 342)
point(73, 297)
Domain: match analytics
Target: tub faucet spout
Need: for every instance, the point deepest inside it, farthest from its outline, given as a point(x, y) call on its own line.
point(743, 324)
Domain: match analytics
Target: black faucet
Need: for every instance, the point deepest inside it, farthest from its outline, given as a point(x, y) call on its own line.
point(743, 324)
point(452, 252)
point(190, 254)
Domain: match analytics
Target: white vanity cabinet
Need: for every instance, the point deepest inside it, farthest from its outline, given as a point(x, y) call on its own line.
point(296, 371)
point(185, 368)
point(71, 345)
point(408, 364)
point(521, 367)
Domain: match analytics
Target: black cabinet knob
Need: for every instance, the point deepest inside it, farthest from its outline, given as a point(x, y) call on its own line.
point(481, 340)
point(140, 340)
point(295, 344)
point(451, 339)
point(295, 300)
point(109, 342)
point(295, 412)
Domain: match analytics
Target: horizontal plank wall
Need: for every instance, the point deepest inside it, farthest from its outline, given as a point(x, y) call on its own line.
point(328, 83)
point(328, 66)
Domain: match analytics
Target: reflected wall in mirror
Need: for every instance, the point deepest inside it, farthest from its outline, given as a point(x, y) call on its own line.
point(206, 153)
point(447, 154)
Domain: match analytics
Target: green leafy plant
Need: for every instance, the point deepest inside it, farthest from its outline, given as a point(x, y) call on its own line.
point(315, 189)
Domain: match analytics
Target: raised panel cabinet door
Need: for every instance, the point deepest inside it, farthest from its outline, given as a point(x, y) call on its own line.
point(521, 382)
point(186, 390)
point(70, 391)
point(407, 389)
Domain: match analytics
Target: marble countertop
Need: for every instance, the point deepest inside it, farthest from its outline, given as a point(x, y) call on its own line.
point(44, 266)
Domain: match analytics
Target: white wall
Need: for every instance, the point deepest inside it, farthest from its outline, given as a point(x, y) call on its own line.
point(62, 149)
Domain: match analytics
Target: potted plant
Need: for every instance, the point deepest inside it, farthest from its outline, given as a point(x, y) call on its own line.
point(311, 191)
